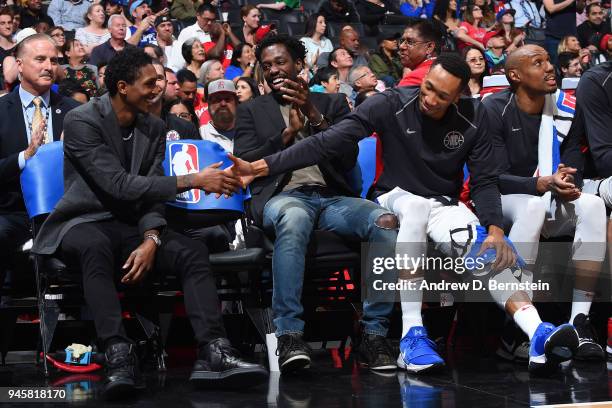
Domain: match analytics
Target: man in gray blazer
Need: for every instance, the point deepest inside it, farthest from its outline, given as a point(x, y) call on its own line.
point(112, 217)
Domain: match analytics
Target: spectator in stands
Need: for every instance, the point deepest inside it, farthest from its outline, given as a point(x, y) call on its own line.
point(16, 18)
point(59, 38)
point(475, 58)
point(95, 32)
point(471, 31)
point(30, 116)
point(100, 80)
point(560, 22)
point(349, 40)
point(488, 12)
point(194, 55)
point(250, 16)
point(417, 8)
point(495, 53)
point(445, 12)
point(42, 27)
point(419, 47)
point(362, 79)
point(188, 86)
point(341, 60)
point(527, 14)
point(165, 36)
point(32, 13)
point(176, 127)
point(155, 52)
point(181, 109)
point(101, 219)
point(72, 89)
point(83, 74)
point(246, 89)
point(68, 14)
point(7, 45)
point(327, 79)
point(373, 13)
point(363, 95)
point(315, 39)
point(184, 10)
point(292, 205)
point(10, 68)
point(339, 11)
point(205, 16)
point(243, 62)
point(385, 62)
point(519, 119)
point(570, 43)
point(172, 85)
point(211, 70)
point(112, 7)
point(590, 32)
point(569, 65)
point(513, 37)
point(117, 27)
point(142, 32)
point(222, 103)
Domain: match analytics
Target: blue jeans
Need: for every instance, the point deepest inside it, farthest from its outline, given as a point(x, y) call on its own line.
point(292, 216)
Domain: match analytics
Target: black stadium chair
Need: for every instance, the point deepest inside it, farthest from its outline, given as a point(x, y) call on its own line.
point(311, 7)
point(334, 29)
point(392, 29)
point(295, 29)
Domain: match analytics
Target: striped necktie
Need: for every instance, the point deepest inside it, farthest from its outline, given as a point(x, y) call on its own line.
point(38, 120)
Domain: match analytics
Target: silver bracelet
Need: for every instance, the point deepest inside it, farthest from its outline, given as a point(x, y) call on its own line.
point(155, 239)
point(320, 122)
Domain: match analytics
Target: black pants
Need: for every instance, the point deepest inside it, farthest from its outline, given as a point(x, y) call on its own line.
point(101, 248)
point(14, 232)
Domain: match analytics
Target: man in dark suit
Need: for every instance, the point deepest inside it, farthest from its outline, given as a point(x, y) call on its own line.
point(291, 205)
point(29, 116)
point(112, 216)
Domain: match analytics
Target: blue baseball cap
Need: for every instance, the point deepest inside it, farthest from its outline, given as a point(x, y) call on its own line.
point(137, 3)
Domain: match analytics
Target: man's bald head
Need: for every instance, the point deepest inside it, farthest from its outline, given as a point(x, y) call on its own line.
point(529, 66)
point(349, 39)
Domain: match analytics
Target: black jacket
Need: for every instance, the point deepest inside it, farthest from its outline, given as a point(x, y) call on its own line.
point(420, 155)
point(97, 186)
point(516, 151)
point(589, 34)
point(14, 139)
point(259, 127)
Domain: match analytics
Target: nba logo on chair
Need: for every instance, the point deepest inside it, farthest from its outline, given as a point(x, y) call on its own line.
point(184, 160)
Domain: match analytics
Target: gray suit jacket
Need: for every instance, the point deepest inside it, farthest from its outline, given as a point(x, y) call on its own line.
point(97, 186)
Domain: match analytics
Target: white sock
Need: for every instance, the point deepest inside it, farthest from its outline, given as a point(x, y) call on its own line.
point(581, 303)
point(411, 306)
point(528, 319)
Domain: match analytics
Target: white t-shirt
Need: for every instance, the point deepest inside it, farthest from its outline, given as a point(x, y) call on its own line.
point(312, 47)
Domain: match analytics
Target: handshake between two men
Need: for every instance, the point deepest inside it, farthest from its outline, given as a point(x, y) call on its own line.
point(227, 181)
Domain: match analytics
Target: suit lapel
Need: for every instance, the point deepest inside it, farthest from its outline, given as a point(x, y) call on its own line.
point(273, 110)
point(57, 113)
point(111, 129)
point(141, 142)
point(16, 112)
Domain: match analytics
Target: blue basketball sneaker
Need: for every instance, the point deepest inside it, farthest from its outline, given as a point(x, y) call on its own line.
point(417, 352)
point(550, 346)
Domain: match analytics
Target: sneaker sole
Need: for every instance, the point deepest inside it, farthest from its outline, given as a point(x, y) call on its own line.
point(558, 348)
point(413, 368)
point(296, 363)
point(388, 367)
point(235, 378)
point(594, 352)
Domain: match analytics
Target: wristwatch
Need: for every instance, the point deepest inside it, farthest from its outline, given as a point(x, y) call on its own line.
point(155, 239)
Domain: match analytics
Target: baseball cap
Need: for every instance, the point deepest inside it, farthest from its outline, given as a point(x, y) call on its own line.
point(137, 3)
point(503, 12)
point(162, 19)
point(221, 85)
point(388, 36)
point(262, 31)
